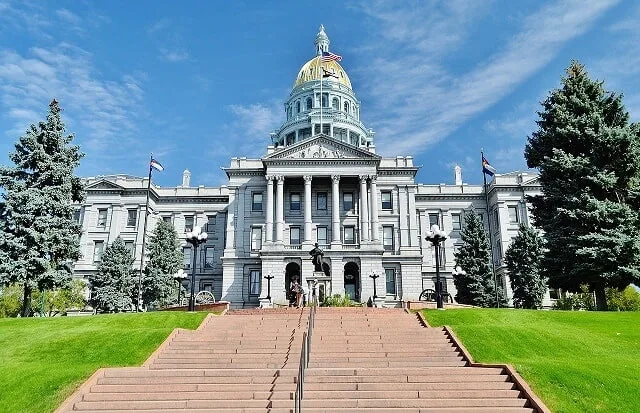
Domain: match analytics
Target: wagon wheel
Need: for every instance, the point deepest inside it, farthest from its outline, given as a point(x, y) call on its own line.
point(428, 294)
point(205, 297)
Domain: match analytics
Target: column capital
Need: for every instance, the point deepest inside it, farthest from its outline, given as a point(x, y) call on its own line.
point(280, 179)
point(307, 178)
point(363, 178)
point(373, 178)
point(335, 178)
point(270, 177)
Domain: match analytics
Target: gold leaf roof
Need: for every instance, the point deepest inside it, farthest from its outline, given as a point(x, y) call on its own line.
point(312, 70)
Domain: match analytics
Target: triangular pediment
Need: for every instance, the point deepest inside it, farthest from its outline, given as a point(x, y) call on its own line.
point(105, 185)
point(321, 147)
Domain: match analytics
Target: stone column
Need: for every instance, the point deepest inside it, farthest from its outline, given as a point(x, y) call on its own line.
point(375, 230)
point(280, 209)
point(269, 217)
point(335, 209)
point(307, 208)
point(364, 210)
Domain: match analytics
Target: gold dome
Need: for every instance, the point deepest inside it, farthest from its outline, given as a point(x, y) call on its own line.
point(312, 70)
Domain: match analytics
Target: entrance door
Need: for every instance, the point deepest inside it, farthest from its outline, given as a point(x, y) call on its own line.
point(352, 280)
point(292, 272)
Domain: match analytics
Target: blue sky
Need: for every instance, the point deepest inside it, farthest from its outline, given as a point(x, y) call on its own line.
point(197, 82)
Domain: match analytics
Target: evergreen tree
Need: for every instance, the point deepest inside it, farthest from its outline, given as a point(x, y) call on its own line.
point(476, 285)
point(38, 236)
point(114, 285)
point(523, 262)
point(589, 161)
point(165, 260)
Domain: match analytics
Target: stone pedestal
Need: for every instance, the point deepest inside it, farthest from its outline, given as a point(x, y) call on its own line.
point(378, 302)
point(319, 286)
point(265, 303)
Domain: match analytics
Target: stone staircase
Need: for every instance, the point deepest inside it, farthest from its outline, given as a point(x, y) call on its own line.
point(243, 362)
point(384, 360)
point(361, 360)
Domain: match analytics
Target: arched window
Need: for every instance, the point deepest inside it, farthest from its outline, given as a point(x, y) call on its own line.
point(325, 100)
point(298, 107)
point(335, 104)
point(289, 112)
point(309, 103)
point(346, 107)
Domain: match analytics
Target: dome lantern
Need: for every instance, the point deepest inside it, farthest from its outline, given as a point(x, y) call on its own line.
point(322, 41)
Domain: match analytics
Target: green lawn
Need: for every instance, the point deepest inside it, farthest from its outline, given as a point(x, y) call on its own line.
point(574, 361)
point(43, 360)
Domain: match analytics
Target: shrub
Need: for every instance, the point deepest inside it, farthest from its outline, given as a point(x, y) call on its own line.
point(625, 300)
point(10, 300)
point(338, 300)
point(577, 301)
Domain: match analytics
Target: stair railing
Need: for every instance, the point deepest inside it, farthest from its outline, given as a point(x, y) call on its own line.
point(304, 359)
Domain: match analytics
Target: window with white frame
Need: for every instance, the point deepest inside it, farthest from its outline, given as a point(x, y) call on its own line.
point(294, 235)
point(256, 238)
point(387, 237)
point(350, 235)
point(456, 221)
point(102, 218)
point(130, 246)
point(211, 224)
point(167, 218)
point(321, 201)
point(513, 214)
point(387, 202)
point(390, 276)
point(322, 237)
point(209, 257)
point(98, 250)
point(132, 217)
point(78, 215)
point(294, 201)
point(434, 219)
point(186, 257)
point(188, 223)
point(347, 201)
point(256, 203)
point(442, 256)
point(309, 104)
point(255, 282)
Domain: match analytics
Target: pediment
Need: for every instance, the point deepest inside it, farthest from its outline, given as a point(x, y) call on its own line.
point(104, 185)
point(322, 147)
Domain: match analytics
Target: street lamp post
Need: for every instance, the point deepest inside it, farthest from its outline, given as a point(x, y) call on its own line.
point(269, 277)
point(179, 277)
point(195, 238)
point(374, 277)
point(436, 236)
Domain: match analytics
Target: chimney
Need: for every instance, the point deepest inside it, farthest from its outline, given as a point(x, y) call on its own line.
point(186, 178)
point(458, 174)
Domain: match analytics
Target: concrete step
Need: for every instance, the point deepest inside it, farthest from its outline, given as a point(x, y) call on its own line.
point(435, 379)
point(407, 403)
point(390, 386)
point(401, 393)
point(160, 405)
point(197, 380)
point(194, 395)
point(198, 372)
point(185, 387)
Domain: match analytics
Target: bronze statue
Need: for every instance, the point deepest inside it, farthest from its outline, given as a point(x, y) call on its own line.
point(316, 258)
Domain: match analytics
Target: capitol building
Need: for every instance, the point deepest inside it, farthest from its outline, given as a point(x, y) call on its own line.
point(321, 181)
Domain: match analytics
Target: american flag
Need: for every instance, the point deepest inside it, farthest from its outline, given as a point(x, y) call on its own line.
point(328, 56)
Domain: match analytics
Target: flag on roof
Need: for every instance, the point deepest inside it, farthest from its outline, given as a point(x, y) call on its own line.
point(328, 56)
point(487, 168)
point(156, 165)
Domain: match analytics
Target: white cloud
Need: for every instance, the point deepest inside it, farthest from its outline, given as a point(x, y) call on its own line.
point(173, 55)
point(169, 41)
point(422, 102)
point(248, 133)
point(68, 16)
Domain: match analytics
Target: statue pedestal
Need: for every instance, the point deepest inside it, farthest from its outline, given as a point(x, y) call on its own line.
point(265, 303)
point(319, 287)
point(378, 302)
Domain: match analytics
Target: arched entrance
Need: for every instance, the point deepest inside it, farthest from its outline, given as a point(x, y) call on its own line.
point(352, 280)
point(291, 272)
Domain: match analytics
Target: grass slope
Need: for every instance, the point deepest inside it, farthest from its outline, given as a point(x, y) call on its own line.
point(45, 359)
point(574, 361)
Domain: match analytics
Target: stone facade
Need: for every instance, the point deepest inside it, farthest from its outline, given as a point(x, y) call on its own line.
point(320, 181)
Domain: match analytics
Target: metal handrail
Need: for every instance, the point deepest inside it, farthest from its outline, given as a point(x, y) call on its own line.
point(304, 359)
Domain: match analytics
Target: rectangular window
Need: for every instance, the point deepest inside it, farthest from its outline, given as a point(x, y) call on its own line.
point(442, 256)
point(186, 257)
point(206, 286)
point(496, 220)
point(321, 201)
point(347, 201)
point(256, 204)
point(188, 224)
point(340, 134)
point(387, 238)
point(294, 235)
point(434, 219)
point(456, 221)
point(513, 214)
point(130, 246)
point(98, 250)
point(387, 203)
point(349, 235)
point(256, 239)
point(132, 217)
point(78, 215)
point(443, 281)
point(304, 133)
point(325, 128)
point(390, 275)
point(211, 224)
point(102, 217)
point(167, 218)
point(322, 236)
point(255, 283)
point(209, 257)
point(294, 201)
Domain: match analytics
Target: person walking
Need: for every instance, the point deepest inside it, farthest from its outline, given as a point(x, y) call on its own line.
point(297, 289)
